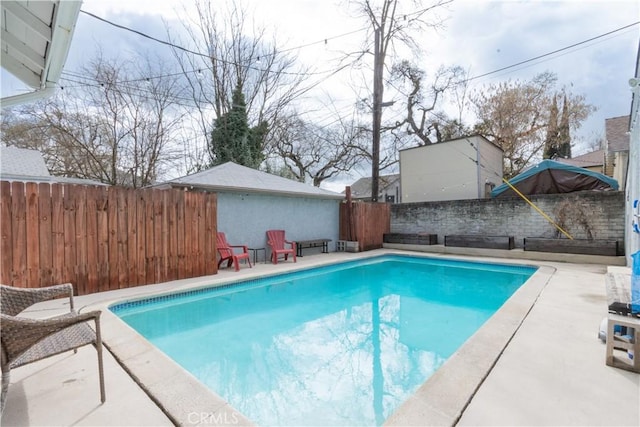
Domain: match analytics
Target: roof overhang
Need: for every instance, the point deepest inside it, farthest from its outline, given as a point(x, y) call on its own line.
point(245, 190)
point(35, 41)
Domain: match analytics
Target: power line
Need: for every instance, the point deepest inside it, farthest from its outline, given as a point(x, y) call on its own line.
point(551, 53)
point(332, 72)
point(141, 92)
point(323, 41)
point(550, 58)
point(140, 33)
point(140, 79)
point(203, 55)
point(88, 81)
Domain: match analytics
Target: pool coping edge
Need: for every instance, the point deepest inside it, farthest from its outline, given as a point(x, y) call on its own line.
point(189, 402)
point(442, 399)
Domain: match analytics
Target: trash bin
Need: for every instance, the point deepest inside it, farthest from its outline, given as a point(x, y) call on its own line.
point(635, 283)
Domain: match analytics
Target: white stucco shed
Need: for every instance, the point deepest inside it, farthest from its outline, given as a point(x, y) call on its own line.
point(459, 169)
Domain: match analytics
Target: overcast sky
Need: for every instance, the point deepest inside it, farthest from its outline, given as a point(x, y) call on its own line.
point(480, 36)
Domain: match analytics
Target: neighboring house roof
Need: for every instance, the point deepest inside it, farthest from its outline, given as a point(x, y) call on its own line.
point(21, 162)
point(362, 187)
point(551, 177)
point(79, 181)
point(617, 133)
point(594, 158)
point(36, 36)
point(231, 177)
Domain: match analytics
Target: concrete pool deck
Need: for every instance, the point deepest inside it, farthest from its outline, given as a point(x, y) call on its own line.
point(549, 371)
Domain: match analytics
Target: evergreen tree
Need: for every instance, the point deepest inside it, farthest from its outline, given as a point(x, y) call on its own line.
point(551, 141)
point(564, 138)
point(257, 136)
point(232, 140)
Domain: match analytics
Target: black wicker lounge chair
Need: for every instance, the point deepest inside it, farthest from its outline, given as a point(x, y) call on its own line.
point(25, 340)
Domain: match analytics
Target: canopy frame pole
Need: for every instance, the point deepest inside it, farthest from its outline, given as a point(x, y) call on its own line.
point(538, 209)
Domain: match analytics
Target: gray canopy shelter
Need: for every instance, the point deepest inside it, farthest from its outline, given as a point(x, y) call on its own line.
point(550, 177)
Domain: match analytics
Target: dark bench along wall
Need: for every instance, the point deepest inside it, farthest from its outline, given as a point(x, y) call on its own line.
point(587, 214)
point(479, 241)
point(411, 239)
point(575, 246)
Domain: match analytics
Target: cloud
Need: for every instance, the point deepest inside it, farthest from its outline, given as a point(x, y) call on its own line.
point(92, 35)
point(480, 36)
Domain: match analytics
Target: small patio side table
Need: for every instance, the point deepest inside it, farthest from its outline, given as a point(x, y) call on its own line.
point(255, 254)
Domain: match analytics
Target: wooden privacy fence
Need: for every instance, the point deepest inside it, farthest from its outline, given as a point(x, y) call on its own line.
point(365, 223)
point(102, 238)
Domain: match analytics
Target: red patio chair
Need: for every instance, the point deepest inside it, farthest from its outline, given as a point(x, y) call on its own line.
point(276, 240)
point(227, 253)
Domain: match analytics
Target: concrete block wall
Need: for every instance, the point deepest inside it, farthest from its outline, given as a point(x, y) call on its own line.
point(599, 215)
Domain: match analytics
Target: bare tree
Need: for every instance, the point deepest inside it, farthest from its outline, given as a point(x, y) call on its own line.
point(23, 131)
point(391, 22)
point(515, 114)
point(229, 52)
point(423, 120)
point(113, 123)
point(594, 142)
point(316, 153)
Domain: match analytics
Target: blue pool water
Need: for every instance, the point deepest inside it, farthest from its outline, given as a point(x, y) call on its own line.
point(338, 345)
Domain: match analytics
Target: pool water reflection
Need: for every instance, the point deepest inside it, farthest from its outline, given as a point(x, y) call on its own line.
point(340, 345)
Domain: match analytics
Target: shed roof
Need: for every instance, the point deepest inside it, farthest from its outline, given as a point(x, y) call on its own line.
point(22, 162)
point(232, 177)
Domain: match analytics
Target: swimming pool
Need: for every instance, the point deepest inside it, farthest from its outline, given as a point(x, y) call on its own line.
point(343, 344)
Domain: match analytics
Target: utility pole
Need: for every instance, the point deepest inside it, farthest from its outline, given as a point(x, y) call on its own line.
point(377, 114)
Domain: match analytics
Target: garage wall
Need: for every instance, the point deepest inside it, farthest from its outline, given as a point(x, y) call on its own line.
point(245, 218)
